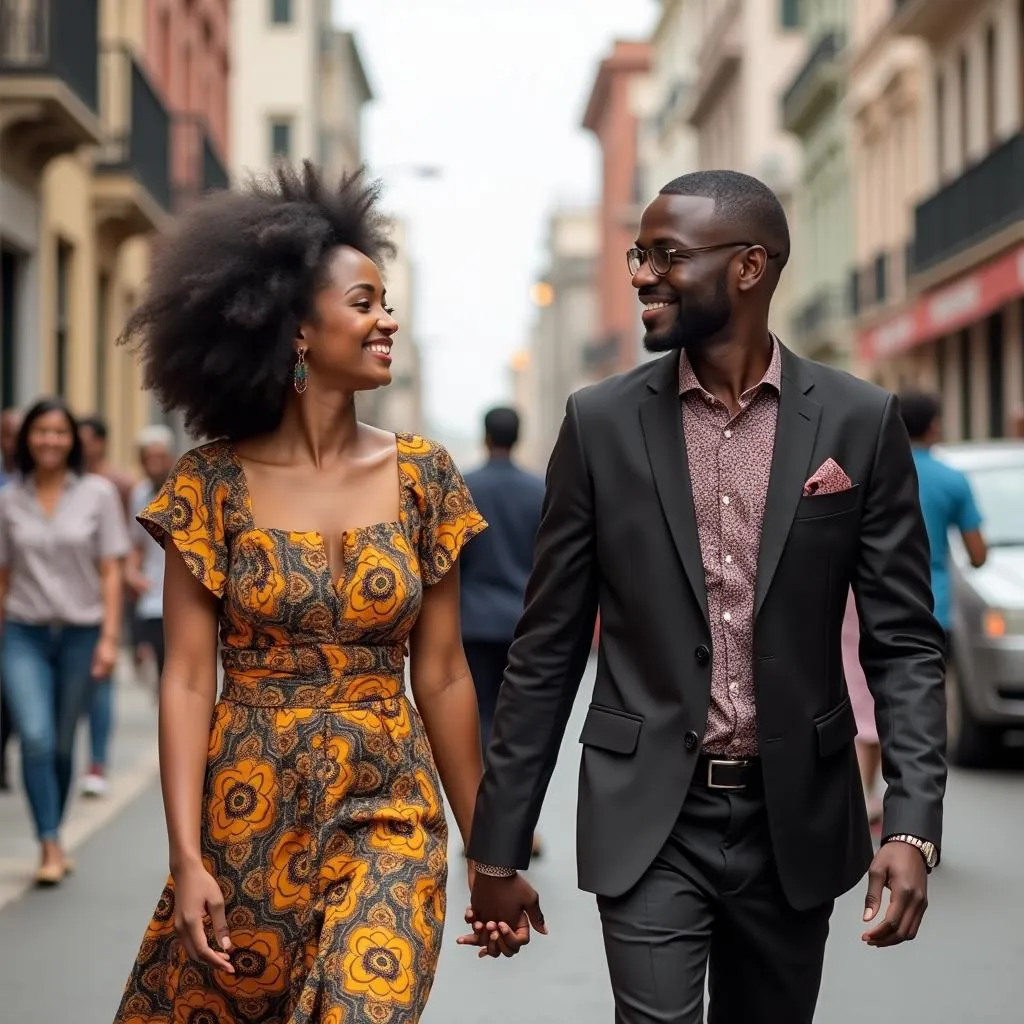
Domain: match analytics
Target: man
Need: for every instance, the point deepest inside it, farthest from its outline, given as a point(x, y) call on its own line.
point(717, 504)
point(10, 425)
point(947, 501)
point(145, 571)
point(93, 432)
point(493, 577)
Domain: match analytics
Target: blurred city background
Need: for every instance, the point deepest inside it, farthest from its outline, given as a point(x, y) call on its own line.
point(518, 144)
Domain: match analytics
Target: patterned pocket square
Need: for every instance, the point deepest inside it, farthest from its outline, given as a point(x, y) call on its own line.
point(829, 479)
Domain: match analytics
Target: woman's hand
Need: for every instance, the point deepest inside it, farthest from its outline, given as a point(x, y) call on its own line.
point(197, 896)
point(104, 658)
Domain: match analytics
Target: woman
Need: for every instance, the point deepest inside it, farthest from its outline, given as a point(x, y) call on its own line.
point(869, 751)
point(62, 538)
point(306, 828)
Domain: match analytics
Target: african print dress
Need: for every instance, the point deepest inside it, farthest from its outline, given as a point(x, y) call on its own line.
point(322, 814)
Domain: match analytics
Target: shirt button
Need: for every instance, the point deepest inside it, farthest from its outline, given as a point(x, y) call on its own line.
point(727, 616)
point(734, 688)
point(728, 559)
point(725, 499)
point(728, 434)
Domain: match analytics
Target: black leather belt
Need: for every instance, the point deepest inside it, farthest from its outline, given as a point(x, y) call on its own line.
point(716, 772)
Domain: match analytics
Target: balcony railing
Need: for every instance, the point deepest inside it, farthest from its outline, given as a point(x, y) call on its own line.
point(52, 37)
point(197, 167)
point(799, 97)
point(985, 199)
point(824, 307)
point(136, 125)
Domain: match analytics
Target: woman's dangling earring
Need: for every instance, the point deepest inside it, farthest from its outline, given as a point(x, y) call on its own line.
point(301, 373)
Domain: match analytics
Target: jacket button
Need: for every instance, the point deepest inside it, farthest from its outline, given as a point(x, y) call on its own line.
point(702, 654)
point(690, 740)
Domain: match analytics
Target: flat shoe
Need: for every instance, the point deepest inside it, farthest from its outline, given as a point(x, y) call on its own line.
point(69, 865)
point(50, 874)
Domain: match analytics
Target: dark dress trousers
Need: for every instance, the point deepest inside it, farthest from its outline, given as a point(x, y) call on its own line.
point(618, 531)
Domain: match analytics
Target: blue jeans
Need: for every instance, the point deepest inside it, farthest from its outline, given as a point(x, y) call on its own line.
point(101, 720)
point(46, 672)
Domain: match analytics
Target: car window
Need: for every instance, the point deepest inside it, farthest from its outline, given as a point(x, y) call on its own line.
point(1000, 497)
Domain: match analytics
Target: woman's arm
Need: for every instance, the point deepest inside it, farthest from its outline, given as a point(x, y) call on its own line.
point(112, 592)
point(446, 699)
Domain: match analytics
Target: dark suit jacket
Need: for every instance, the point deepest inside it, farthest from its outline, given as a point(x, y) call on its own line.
point(496, 566)
point(619, 530)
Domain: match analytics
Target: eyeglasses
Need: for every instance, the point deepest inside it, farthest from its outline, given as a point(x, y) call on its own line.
point(661, 257)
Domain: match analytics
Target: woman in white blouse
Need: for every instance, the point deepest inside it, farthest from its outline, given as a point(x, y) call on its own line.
point(62, 541)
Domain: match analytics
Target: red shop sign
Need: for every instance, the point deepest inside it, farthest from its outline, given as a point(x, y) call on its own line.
point(946, 309)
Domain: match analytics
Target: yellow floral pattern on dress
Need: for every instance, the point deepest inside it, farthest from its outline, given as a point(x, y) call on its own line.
point(322, 815)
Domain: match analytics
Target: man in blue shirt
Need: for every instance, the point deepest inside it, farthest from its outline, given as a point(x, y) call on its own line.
point(947, 501)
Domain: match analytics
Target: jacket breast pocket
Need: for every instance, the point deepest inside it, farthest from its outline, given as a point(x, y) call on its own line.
point(836, 728)
point(817, 506)
point(609, 729)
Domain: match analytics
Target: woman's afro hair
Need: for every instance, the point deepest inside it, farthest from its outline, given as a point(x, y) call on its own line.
point(231, 282)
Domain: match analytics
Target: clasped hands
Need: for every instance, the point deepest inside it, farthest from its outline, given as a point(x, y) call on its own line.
point(501, 913)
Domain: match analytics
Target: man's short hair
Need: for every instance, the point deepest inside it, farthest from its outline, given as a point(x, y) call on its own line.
point(502, 427)
point(156, 433)
point(748, 203)
point(920, 410)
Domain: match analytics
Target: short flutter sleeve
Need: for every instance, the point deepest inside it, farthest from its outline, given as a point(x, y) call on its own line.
point(189, 511)
point(448, 517)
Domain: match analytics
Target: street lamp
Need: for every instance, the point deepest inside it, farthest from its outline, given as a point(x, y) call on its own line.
point(542, 294)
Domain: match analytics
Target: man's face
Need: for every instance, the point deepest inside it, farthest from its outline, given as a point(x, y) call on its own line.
point(94, 447)
point(157, 462)
point(691, 304)
point(10, 424)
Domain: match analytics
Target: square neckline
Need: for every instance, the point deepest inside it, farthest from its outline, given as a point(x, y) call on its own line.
point(403, 483)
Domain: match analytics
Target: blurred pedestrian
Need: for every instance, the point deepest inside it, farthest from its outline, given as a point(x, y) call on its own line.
point(94, 435)
point(144, 572)
point(62, 539)
point(947, 500)
point(495, 569)
point(308, 871)
point(718, 503)
point(10, 424)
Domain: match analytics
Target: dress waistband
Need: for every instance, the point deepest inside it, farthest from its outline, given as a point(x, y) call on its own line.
point(313, 675)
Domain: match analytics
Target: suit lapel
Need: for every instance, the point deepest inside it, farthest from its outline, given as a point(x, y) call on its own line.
point(662, 423)
point(795, 432)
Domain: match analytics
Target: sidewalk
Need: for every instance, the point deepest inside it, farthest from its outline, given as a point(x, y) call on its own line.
point(134, 764)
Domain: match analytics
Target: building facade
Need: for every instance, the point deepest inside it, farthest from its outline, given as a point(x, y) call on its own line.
point(558, 360)
point(92, 162)
point(310, 107)
point(614, 115)
point(748, 53)
point(956, 323)
point(822, 208)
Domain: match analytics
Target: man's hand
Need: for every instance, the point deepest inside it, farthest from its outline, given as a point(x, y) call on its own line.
point(900, 868)
point(501, 912)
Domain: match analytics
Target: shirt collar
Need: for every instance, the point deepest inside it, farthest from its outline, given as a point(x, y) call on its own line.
point(688, 382)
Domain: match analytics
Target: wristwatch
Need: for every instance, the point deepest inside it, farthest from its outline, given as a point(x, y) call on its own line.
point(928, 849)
point(492, 871)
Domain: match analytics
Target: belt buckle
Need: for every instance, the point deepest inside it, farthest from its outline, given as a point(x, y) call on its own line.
point(719, 785)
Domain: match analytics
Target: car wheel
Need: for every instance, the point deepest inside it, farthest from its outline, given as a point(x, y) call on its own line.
point(970, 743)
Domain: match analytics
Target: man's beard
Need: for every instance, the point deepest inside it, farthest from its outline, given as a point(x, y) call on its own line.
point(696, 321)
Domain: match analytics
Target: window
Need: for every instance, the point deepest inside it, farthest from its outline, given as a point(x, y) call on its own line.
point(102, 341)
point(996, 409)
point(789, 13)
point(940, 125)
point(8, 326)
point(281, 12)
point(60, 325)
point(281, 138)
point(965, 108)
point(991, 91)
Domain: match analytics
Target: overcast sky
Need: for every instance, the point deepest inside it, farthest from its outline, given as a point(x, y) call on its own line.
point(492, 93)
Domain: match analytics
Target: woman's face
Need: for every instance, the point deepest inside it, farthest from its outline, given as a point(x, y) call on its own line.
point(348, 347)
point(50, 440)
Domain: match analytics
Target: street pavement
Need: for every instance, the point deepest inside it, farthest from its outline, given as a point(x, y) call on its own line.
point(64, 954)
